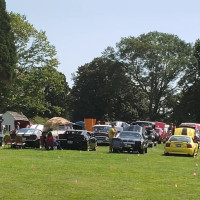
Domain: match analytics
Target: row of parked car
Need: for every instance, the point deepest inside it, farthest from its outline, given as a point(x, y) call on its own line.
point(72, 137)
point(136, 137)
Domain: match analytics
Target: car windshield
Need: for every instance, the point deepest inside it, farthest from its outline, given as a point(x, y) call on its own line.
point(135, 128)
point(63, 127)
point(25, 131)
point(101, 128)
point(129, 135)
point(74, 132)
point(180, 139)
point(144, 124)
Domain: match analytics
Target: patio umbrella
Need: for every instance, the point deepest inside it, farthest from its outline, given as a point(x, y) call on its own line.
point(55, 121)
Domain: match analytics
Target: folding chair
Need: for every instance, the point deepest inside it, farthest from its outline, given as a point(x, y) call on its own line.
point(18, 142)
point(8, 141)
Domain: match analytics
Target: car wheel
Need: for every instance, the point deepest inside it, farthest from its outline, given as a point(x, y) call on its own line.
point(114, 150)
point(87, 146)
point(195, 153)
point(141, 151)
point(37, 144)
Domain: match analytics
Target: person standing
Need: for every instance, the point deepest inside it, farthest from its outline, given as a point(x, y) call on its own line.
point(171, 129)
point(18, 126)
point(112, 133)
point(49, 141)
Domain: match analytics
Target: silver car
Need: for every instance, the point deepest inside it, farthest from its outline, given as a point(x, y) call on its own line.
point(30, 136)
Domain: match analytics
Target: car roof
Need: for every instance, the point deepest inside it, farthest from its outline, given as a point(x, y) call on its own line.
point(130, 132)
point(29, 129)
point(102, 125)
point(146, 122)
point(75, 130)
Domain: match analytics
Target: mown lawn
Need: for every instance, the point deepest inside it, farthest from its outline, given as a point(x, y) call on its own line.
point(38, 174)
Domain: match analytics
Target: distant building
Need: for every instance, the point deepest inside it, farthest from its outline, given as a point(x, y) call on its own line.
point(13, 119)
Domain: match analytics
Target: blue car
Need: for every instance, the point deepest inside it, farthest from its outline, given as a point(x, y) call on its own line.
point(130, 141)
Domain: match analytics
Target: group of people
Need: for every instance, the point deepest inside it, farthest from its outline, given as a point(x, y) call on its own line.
point(49, 142)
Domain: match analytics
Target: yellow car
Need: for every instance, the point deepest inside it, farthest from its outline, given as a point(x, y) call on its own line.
point(181, 144)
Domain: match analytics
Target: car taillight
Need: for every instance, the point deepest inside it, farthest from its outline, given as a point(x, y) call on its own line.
point(167, 144)
point(189, 146)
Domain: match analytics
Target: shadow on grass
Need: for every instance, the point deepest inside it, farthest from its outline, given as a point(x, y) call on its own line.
point(125, 152)
point(176, 155)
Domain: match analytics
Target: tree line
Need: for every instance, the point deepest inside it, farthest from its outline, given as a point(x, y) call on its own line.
point(154, 76)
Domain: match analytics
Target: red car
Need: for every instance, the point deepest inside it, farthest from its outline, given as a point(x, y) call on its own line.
point(163, 135)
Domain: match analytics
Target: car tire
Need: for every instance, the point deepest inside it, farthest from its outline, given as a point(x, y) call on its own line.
point(114, 150)
point(87, 146)
point(195, 153)
point(37, 144)
point(141, 151)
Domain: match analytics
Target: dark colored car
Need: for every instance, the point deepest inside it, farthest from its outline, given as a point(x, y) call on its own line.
point(130, 141)
point(147, 133)
point(100, 132)
point(77, 139)
point(30, 136)
point(153, 137)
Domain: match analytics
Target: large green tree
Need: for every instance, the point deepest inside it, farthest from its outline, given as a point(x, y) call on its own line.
point(197, 54)
point(102, 90)
point(39, 88)
point(155, 62)
point(7, 54)
point(188, 109)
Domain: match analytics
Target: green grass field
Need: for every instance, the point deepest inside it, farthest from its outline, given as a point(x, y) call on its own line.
point(39, 174)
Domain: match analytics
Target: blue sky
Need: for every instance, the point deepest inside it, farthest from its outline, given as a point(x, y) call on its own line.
point(82, 29)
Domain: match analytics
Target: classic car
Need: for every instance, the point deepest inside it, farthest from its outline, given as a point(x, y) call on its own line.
point(100, 132)
point(120, 124)
point(181, 144)
point(37, 126)
point(30, 136)
point(77, 139)
point(164, 136)
point(144, 132)
point(153, 137)
point(130, 141)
